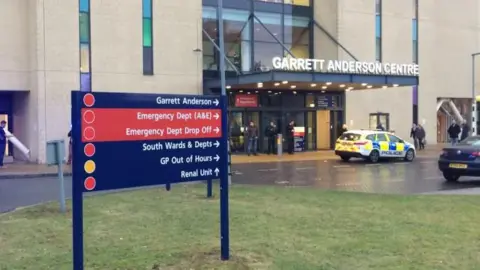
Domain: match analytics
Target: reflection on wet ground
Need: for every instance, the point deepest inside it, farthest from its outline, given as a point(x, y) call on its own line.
point(420, 176)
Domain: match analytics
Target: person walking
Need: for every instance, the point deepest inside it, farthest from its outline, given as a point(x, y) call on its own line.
point(270, 133)
point(453, 132)
point(465, 130)
point(3, 142)
point(252, 136)
point(413, 136)
point(290, 137)
point(420, 136)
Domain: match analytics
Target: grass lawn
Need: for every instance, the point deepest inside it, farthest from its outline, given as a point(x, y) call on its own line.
point(271, 228)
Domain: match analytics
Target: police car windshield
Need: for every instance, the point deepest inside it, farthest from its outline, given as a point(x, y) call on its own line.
point(350, 136)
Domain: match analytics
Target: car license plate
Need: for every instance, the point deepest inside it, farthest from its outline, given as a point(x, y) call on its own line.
point(458, 166)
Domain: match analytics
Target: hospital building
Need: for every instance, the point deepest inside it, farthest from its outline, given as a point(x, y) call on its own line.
point(320, 63)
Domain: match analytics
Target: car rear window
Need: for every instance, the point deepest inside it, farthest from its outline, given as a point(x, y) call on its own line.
point(350, 137)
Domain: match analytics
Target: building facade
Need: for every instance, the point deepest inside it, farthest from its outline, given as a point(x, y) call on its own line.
point(51, 47)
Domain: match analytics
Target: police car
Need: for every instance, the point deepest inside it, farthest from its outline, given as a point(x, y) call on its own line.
point(373, 145)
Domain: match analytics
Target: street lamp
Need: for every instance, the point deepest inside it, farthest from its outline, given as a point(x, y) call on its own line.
point(474, 99)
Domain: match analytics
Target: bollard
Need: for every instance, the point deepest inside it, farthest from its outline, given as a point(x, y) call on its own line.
point(55, 156)
point(279, 144)
point(168, 186)
point(209, 188)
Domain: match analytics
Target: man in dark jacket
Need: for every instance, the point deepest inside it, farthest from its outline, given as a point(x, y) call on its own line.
point(3, 142)
point(465, 130)
point(290, 137)
point(270, 133)
point(420, 136)
point(453, 132)
point(252, 137)
point(413, 136)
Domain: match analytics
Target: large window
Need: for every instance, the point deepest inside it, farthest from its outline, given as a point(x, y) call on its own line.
point(251, 43)
point(296, 35)
point(379, 120)
point(290, 2)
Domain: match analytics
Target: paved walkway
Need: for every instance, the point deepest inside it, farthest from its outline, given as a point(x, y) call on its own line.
point(22, 170)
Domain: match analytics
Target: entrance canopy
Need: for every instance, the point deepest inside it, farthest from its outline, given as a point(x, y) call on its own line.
point(289, 80)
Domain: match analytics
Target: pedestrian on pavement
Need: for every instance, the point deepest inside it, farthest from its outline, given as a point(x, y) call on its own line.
point(70, 145)
point(465, 130)
point(3, 142)
point(420, 136)
point(380, 127)
point(453, 132)
point(252, 136)
point(271, 133)
point(412, 135)
point(344, 128)
point(290, 137)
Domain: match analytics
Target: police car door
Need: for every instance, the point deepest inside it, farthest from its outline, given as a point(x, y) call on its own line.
point(397, 146)
point(383, 144)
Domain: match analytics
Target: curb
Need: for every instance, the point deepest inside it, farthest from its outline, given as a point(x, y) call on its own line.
point(29, 175)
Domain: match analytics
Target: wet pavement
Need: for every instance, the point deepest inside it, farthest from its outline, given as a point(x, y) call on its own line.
point(418, 177)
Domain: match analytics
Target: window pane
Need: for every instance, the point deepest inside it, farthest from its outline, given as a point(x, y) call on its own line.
point(147, 8)
point(373, 122)
point(264, 53)
point(299, 51)
point(271, 100)
point(296, 30)
point(84, 58)
point(378, 49)
point(294, 100)
point(272, 22)
point(378, 6)
point(84, 5)
point(147, 61)
point(239, 54)
point(414, 29)
point(209, 63)
point(415, 48)
point(236, 26)
point(378, 26)
point(305, 3)
point(84, 31)
point(147, 32)
point(381, 137)
point(310, 101)
point(85, 82)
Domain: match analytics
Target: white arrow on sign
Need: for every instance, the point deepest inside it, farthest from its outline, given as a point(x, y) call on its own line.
point(217, 144)
point(217, 130)
point(216, 116)
point(216, 171)
point(216, 102)
point(217, 158)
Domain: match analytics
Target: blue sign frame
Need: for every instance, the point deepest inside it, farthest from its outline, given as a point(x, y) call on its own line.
point(163, 139)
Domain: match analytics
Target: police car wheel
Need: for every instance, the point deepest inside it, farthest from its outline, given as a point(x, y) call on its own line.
point(374, 156)
point(410, 155)
point(344, 158)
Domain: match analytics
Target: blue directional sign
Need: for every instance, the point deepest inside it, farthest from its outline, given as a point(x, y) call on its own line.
point(132, 140)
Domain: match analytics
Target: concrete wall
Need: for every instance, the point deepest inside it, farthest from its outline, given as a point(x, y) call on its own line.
point(13, 45)
point(117, 47)
point(325, 13)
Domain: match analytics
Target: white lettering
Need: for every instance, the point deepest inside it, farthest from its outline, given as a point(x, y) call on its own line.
point(152, 147)
point(188, 174)
point(341, 66)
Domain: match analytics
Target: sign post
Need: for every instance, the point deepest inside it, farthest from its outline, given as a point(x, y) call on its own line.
point(224, 225)
point(125, 140)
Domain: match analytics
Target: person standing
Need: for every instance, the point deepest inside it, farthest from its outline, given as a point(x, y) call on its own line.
point(270, 133)
point(290, 137)
point(413, 136)
point(252, 136)
point(465, 130)
point(344, 129)
point(3, 142)
point(453, 132)
point(420, 136)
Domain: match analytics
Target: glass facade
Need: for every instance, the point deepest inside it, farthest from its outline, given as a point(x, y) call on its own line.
point(252, 39)
point(84, 47)
point(305, 3)
point(147, 37)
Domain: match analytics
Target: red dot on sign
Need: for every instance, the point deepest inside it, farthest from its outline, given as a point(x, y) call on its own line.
point(89, 149)
point(90, 183)
point(88, 117)
point(88, 100)
point(89, 133)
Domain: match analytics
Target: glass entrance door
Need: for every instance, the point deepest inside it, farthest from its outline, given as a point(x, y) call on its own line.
point(236, 129)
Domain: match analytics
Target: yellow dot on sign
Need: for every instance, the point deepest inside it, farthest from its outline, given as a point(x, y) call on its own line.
point(89, 166)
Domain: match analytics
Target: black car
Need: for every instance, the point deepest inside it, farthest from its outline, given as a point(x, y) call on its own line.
point(462, 159)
